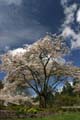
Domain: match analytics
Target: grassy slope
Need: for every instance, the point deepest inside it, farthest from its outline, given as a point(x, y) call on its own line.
point(66, 116)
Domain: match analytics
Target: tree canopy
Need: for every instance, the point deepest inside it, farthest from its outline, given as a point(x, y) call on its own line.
point(41, 66)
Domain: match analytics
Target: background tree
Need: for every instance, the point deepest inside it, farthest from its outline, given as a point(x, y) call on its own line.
point(40, 66)
point(68, 89)
point(1, 85)
point(67, 97)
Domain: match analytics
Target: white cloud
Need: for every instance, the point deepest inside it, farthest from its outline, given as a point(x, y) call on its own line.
point(67, 30)
point(6, 48)
point(16, 2)
point(64, 2)
point(18, 52)
point(78, 16)
point(76, 44)
point(69, 14)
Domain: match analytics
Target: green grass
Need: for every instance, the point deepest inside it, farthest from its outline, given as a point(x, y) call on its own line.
point(65, 116)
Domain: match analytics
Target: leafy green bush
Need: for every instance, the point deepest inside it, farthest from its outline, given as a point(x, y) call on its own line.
point(65, 100)
point(32, 110)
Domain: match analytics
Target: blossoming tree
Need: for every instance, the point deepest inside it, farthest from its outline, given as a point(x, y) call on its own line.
point(40, 67)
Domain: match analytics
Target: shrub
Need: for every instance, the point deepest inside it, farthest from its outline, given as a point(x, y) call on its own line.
point(32, 110)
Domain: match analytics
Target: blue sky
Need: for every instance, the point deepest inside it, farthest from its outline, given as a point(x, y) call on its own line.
point(25, 21)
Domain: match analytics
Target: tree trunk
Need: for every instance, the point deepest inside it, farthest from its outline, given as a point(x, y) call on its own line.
point(42, 101)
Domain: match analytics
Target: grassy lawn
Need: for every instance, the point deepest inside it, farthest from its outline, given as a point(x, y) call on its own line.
point(65, 116)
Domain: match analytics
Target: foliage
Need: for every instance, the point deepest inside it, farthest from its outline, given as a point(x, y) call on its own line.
point(32, 110)
point(65, 100)
point(1, 85)
point(68, 89)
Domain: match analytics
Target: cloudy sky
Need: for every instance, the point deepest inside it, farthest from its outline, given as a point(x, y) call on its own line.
point(25, 21)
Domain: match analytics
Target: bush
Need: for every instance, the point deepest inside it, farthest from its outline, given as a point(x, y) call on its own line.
point(32, 110)
point(65, 100)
